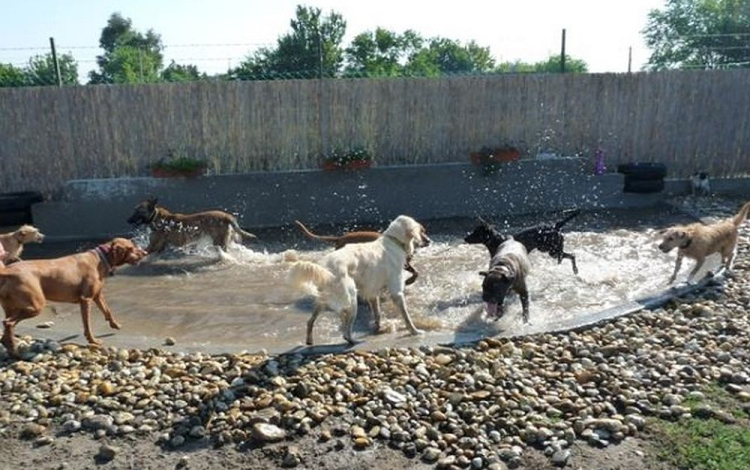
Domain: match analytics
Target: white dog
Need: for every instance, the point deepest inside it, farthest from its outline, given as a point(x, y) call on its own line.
point(363, 269)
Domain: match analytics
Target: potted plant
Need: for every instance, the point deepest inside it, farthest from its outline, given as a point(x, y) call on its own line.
point(350, 159)
point(490, 159)
point(178, 167)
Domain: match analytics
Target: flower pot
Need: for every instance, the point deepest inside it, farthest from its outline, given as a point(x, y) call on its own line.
point(507, 154)
point(160, 172)
point(333, 165)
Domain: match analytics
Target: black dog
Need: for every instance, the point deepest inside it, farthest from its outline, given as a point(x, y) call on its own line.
point(546, 238)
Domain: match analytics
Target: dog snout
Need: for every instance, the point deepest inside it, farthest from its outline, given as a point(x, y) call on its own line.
point(665, 248)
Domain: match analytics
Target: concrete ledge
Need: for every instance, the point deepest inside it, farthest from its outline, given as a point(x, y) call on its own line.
point(98, 208)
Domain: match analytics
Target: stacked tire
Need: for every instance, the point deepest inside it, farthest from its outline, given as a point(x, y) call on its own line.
point(643, 177)
point(15, 208)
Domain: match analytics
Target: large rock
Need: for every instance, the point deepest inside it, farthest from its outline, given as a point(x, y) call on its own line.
point(264, 432)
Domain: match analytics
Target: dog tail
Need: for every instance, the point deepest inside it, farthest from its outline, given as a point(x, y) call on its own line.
point(240, 231)
point(567, 219)
point(304, 272)
point(325, 238)
point(742, 214)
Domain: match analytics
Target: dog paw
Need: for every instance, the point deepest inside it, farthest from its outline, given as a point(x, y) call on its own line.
point(417, 332)
point(114, 325)
point(95, 343)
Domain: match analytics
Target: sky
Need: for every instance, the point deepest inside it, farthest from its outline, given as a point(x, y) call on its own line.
point(218, 34)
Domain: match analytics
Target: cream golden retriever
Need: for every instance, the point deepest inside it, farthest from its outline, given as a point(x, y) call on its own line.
point(364, 269)
point(13, 242)
point(698, 241)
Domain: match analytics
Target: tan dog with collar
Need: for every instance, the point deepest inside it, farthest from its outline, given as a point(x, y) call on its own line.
point(698, 241)
point(26, 287)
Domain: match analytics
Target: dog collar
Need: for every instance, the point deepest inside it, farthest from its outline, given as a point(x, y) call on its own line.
point(397, 242)
point(102, 251)
point(687, 244)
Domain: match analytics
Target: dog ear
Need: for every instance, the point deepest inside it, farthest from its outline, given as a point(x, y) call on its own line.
point(483, 273)
point(152, 201)
point(681, 234)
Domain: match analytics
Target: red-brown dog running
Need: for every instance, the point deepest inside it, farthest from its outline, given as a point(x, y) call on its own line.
point(26, 286)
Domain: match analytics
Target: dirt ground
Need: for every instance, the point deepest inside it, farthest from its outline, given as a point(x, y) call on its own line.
point(79, 452)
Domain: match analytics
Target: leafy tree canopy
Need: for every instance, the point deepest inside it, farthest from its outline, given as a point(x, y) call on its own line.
point(182, 73)
point(129, 56)
point(312, 46)
point(11, 76)
point(41, 70)
point(703, 34)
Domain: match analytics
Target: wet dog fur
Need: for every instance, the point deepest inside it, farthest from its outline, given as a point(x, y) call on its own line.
point(365, 270)
point(547, 238)
point(13, 242)
point(508, 270)
point(698, 241)
point(173, 229)
point(26, 287)
point(360, 236)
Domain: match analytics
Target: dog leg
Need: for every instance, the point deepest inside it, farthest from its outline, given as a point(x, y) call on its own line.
point(572, 259)
point(677, 266)
point(9, 337)
point(104, 308)
point(85, 312)
point(412, 271)
point(523, 294)
point(347, 319)
point(398, 299)
point(698, 265)
point(311, 322)
point(375, 310)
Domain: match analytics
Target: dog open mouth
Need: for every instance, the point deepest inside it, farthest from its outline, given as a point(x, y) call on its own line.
point(494, 309)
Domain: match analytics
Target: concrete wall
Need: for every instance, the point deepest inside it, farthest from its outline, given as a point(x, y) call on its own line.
point(99, 208)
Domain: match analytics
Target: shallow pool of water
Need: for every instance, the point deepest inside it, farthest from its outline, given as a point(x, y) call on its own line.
point(240, 300)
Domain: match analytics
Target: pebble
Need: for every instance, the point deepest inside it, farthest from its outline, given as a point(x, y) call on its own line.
point(468, 407)
point(169, 341)
point(107, 453)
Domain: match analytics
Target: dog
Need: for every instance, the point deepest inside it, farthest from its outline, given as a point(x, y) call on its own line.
point(546, 238)
point(13, 242)
point(26, 287)
point(698, 241)
point(361, 236)
point(177, 230)
point(364, 269)
point(508, 270)
point(700, 184)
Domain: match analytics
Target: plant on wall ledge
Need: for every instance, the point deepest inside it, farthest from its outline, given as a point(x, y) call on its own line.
point(347, 159)
point(490, 159)
point(175, 166)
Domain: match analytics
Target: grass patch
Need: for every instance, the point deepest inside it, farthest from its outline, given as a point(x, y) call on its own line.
point(696, 444)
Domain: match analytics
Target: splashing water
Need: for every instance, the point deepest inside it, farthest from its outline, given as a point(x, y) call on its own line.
point(208, 299)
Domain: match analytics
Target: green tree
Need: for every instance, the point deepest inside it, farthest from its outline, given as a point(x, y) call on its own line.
point(11, 76)
point(312, 46)
point(381, 53)
point(129, 56)
point(443, 56)
point(182, 73)
point(551, 65)
point(41, 70)
point(704, 34)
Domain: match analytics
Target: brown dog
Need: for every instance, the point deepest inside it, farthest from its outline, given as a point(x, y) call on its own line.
point(174, 229)
point(361, 236)
point(13, 242)
point(26, 287)
point(698, 241)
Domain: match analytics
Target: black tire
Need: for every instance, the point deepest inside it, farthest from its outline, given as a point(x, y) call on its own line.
point(21, 201)
point(643, 171)
point(643, 186)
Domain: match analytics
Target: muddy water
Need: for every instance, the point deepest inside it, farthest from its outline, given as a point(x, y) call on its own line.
point(212, 301)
